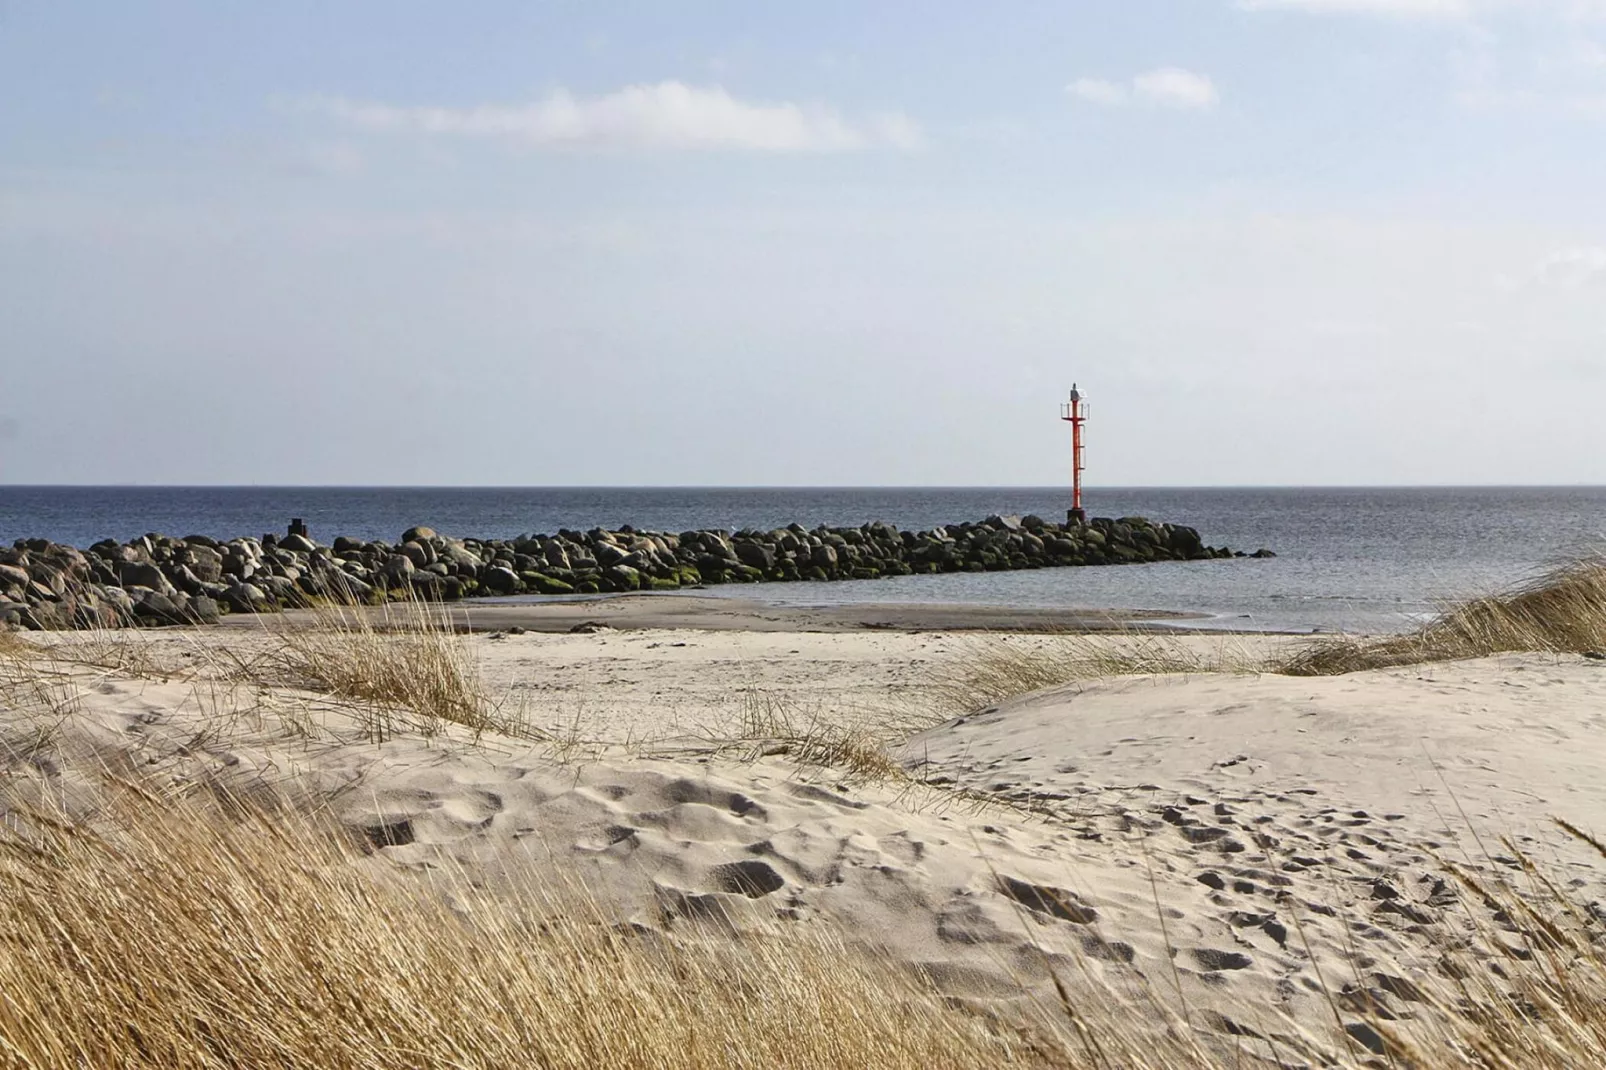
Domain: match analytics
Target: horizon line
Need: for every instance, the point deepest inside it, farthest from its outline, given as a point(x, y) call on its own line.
point(795, 486)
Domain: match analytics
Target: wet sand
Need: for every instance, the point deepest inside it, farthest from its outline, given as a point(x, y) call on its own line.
point(704, 613)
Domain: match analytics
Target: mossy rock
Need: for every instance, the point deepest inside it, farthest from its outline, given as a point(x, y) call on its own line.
point(662, 583)
point(544, 584)
point(689, 576)
point(866, 573)
point(816, 573)
point(747, 574)
point(587, 587)
point(622, 578)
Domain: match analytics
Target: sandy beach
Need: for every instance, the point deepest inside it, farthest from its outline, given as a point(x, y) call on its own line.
point(1247, 849)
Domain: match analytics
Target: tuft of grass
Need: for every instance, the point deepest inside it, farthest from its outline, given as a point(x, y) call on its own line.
point(31, 685)
point(999, 667)
point(124, 651)
point(1563, 612)
point(403, 667)
point(773, 725)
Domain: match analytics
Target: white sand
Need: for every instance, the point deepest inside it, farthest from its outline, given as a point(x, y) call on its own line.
point(1245, 840)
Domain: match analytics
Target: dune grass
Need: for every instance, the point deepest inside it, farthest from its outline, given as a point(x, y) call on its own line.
point(188, 931)
point(402, 667)
point(1001, 666)
point(1563, 612)
point(179, 935)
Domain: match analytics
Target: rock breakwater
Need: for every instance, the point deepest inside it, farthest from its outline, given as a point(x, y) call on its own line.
point(155, 579)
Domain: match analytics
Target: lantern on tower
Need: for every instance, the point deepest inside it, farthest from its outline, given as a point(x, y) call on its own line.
point(1074, 412)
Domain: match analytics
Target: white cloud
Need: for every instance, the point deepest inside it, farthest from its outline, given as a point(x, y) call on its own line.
point(1570, 269)
point(669, 115)
point(1167, 87)
point(1097, 91)
point(1174, 87)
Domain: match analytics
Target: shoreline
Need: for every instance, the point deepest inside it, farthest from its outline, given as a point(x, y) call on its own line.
point(672, 611)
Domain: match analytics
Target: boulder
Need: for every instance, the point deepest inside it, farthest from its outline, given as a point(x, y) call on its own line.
point(418, 534)
point(622, 578)
point(501, 580)
point(118, 600)
point(206, 563)
point(399, 567)
point(158, 608)
point(297, 544)
point(140, 574)
point(755, 555)
point(14, 579)
point(246, 598)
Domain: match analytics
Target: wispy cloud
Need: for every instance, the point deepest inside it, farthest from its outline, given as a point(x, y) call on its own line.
point(668, 116)
point(1167, 87)
point(1176, 88)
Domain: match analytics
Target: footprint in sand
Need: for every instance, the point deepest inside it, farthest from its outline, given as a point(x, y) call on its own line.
point(1045, 899)
point(750, 877)
point(1213, 961)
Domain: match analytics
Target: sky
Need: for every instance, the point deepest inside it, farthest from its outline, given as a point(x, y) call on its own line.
point(847, 242)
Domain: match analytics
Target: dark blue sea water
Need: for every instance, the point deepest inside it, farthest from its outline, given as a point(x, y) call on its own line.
point(1362, 559)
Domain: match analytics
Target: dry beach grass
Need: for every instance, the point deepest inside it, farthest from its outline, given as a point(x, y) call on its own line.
point(175, 933)
point(156, 917)
point(1562, 612)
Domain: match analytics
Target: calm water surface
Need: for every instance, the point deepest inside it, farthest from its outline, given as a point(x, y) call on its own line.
point(1349, 558)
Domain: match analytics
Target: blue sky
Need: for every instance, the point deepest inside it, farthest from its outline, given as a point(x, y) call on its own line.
point(1276, 241)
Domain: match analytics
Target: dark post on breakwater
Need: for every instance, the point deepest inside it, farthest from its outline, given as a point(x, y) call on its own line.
point(156, 579)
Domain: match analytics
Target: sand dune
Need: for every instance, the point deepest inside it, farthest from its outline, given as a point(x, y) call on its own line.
point(1242, 844)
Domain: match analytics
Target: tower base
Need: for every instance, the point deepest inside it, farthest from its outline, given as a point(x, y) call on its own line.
point(1077, 517)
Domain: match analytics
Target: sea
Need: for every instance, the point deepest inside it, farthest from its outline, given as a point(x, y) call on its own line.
point(1354, 559)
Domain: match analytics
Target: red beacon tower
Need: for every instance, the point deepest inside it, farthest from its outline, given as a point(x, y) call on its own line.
point(1074, 413)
